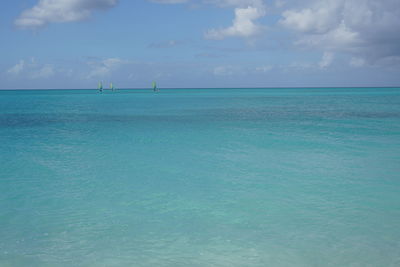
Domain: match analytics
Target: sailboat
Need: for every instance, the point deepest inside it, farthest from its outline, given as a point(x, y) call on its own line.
point(155, 87)
point(100, 87)
point(112, 87)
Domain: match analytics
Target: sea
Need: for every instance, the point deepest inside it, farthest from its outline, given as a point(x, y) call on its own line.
point(200, 177)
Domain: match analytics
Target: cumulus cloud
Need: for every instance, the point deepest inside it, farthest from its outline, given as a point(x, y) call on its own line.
point(57, 11)
point(319, 19)
point(364, 28)
point(243, 25)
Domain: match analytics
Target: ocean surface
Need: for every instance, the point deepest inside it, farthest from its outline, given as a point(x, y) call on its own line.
point(200, 177)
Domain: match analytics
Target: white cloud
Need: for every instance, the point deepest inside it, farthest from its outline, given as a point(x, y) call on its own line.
point(43, 72)
point(31, 69)
point(243, 24)
point(57, 11)
point(103, 68)
point(319, 19)
point(326, 60)
point(340, 38)
point(364, 28)
point(17, 68)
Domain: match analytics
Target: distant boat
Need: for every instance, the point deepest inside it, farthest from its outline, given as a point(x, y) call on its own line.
point(100, 87)
point(155, 87)
point(112, 87)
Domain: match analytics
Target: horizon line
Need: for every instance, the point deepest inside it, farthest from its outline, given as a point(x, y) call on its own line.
point(182, 88)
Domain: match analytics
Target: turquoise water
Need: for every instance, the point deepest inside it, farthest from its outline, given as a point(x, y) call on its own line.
point(200, 177)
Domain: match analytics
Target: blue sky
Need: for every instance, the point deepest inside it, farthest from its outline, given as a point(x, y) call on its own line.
point(199, 43)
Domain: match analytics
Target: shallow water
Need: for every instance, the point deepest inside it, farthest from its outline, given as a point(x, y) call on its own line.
point(200, 177)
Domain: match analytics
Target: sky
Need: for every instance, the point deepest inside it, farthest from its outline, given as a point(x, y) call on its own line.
point(60, 44)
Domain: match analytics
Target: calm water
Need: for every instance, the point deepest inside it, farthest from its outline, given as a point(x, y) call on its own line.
point(223, 177)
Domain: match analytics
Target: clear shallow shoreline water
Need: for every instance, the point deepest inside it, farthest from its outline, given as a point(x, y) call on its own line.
point(200, 177)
